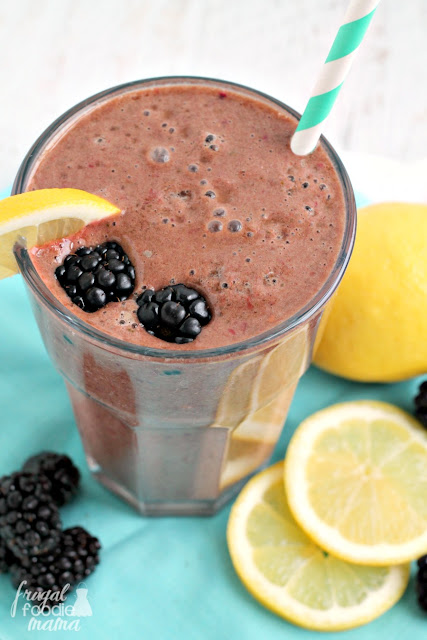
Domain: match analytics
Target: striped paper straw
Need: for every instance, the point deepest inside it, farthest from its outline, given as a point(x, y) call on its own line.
point(334, 71)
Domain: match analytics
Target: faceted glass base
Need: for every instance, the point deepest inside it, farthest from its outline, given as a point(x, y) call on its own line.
point(164, 508)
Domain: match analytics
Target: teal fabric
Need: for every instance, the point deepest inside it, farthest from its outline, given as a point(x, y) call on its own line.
point(166, 578)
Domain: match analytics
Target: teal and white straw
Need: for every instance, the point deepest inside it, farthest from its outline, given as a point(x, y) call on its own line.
point(334, 71)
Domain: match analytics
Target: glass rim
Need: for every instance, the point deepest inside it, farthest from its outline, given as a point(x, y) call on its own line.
point(303, 315)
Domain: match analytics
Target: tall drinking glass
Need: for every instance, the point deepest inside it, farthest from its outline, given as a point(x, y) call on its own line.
point(177, 432)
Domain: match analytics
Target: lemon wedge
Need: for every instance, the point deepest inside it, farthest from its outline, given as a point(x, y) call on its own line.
point(291, 575)
point(356, 480)
point(45, 215)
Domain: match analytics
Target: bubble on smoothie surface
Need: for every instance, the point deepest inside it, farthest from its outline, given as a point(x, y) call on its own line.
point(219, 213)
point(184, 194)
point(193, 168)
point(234, 225)
point(210, 194)
point(160, 155)
point(214, 226)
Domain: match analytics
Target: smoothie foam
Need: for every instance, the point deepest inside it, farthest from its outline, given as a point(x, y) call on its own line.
point(211, 196)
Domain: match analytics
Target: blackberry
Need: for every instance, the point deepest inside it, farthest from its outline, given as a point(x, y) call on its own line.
point(29, 519)
point(175, 314)
point(421, 582)
point(95, 276)
point(421, 404)
point(6, 557)
point(73, 559)
point(60, 470)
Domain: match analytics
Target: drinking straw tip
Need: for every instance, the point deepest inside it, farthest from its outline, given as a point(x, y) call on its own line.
point(299, 143)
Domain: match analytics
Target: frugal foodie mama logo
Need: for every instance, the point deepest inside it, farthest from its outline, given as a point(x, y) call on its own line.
point(46, 610)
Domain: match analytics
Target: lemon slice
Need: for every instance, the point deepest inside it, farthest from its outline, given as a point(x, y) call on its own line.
point(236, 399)
point(281, 366)
point(252, 442)
point(356, 478)
point(255, 402)
point(289, 574)
point(265, 424)
point(259, 383)
point(45, 215)
point(243, 458)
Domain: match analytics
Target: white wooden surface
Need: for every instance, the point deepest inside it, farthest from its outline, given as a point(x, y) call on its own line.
point(57, 52)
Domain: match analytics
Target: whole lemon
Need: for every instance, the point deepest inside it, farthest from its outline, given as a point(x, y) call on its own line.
point(376, 330)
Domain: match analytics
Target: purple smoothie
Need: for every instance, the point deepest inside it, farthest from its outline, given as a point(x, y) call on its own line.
point(211, 196)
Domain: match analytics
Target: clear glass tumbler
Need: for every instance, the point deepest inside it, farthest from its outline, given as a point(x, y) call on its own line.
point(177, 432)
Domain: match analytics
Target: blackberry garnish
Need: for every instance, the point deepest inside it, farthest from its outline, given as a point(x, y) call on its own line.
point(421, 404)
point(29, 519)
point(421, 582)
point(73, 559)
point(60, 470)
point(95, 276)
point(174, 314)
